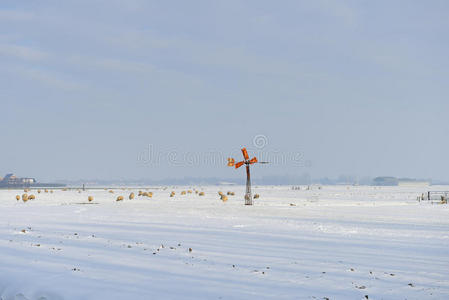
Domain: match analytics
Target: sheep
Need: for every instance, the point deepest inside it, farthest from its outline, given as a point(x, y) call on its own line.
point(17, 197)
point(131, 196)
point(90, 198)
point(256, 196)
point(119, 198)
point(25, 197)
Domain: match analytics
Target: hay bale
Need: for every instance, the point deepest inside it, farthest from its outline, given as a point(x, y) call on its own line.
point(224, 198)
point(111, 191)
point(25, 197)
point(183, 193)
point(51, 191)
point(189, 191)
point(256, 196)
point(119, 198)
point(172, 194)
point(140, 193)
point(90, 198)
point(38, 191)
point(150, 194)
point(17, 197)
point(46, 190)
point(220, 193)
point(31, 197)
point(201, 194)
point(131, 196)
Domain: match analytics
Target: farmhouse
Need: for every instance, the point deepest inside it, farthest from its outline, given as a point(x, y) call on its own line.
point(11, 180)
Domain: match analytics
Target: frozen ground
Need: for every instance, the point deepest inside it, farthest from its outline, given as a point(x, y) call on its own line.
point(337, 243)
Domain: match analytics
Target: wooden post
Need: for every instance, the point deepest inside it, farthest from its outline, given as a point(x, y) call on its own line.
point(248, 196)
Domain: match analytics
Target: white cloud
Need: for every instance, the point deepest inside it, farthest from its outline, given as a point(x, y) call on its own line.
point(123, 65)
point(22, 52)
point(50, 79)
point(12, 15)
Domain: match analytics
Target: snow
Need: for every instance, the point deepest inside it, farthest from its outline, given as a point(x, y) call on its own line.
point(337, 242)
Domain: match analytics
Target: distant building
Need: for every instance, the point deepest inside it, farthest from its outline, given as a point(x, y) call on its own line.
point(393, 181)
point(385, 181)
point(412, 182)
point(12, 181)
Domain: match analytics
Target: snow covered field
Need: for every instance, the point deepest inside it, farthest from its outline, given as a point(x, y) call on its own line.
point(337, 242)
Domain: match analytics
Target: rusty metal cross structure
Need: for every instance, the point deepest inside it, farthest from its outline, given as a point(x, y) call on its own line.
point(247, 162)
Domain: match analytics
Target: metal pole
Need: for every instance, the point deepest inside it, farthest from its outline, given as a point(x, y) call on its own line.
point(248, 197)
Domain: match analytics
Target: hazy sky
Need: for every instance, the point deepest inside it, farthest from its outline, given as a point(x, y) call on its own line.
point(156, 89)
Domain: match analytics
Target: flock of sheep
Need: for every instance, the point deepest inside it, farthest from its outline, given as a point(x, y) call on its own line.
point(25, 197)
point(223, 197)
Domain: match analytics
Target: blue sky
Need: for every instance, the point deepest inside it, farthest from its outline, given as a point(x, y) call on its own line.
point(350, 87)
